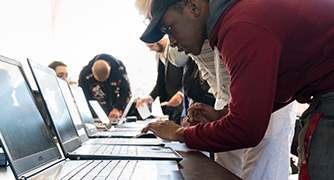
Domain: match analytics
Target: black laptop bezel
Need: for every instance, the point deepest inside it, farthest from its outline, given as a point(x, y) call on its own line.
point(71, 144)
point(73, 109)
point(24, 167)
point(91, 128)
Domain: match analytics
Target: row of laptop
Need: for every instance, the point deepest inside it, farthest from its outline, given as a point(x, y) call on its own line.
point(79, 150)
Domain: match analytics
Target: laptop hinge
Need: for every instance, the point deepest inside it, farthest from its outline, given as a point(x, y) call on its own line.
point(31, 173)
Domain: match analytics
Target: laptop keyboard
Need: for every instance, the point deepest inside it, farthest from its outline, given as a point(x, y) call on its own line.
point(103, 170)
point(119, 133)
point(114, 149)
point(107, 141)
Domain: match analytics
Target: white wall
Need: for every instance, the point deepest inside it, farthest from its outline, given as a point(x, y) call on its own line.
point(74, 31)
point(26, 29)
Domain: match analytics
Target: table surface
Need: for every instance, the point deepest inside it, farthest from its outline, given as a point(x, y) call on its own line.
point(196, 165)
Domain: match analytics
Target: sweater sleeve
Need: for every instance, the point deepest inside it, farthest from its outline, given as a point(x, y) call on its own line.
point(251, 55)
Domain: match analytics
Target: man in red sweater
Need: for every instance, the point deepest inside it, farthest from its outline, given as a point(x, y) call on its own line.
point(275, 52)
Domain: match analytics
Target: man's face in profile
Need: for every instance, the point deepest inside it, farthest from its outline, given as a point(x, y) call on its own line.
point(61, 72)
point(186, 30)
point(157, 47)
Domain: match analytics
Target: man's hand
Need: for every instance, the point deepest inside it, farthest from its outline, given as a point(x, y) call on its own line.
point(202, 113)
point(167, 130)
point(175, 100)
point(114, 113)
point(142, 101)
point(185, 122)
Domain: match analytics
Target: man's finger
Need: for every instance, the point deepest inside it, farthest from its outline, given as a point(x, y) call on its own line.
point(146, 128)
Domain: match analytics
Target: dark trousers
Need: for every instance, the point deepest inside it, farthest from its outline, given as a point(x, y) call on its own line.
point(321, 151)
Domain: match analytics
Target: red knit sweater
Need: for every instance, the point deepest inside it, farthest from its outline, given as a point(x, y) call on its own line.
point(276, 52)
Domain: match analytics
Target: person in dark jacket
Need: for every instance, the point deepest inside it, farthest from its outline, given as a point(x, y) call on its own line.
point(105, 79)
point(169, 81)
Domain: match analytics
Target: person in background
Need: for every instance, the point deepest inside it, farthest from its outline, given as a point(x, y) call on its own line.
point(144, 8)
point(142, 5)
point(169, 80)
point(105, 79)
point(61, 71)
point(270, 66)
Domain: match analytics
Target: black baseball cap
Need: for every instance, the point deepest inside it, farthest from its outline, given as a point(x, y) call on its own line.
point(153, 34)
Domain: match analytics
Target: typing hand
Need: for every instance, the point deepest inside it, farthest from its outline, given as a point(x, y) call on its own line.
point(185, 122)
point(166, 129)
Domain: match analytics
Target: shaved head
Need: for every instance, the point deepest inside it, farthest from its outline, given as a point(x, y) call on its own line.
point(101, 70)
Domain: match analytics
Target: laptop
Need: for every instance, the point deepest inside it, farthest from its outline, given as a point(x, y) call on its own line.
point(100, 113)
point(67, 136)
point(32, 152)
point(76, 118)
point(89, 123)
point(103, 116)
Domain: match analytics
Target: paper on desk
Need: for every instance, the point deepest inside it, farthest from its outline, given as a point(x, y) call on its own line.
point(144, 112)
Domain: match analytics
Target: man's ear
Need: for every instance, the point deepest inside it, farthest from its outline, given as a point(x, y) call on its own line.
point(194, 7)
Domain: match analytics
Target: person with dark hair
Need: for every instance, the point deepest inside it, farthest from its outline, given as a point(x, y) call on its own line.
point(105, 79)
point(61, 70)
point(273, 59)
point(169, 81)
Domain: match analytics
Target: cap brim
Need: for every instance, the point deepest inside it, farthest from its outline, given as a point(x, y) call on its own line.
point(153, 34)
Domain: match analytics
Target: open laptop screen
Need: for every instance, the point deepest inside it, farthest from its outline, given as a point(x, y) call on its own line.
point(84, 110)
point(103, 116)
point(53, 97)
point(24, 134)
point(126, 111)
point(99, 111)
point(72, 107)
point(47, 84)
